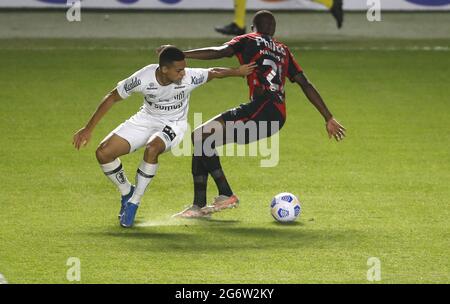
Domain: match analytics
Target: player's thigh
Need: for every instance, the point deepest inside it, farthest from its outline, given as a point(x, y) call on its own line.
point(252, 121)
point(127, 137)
point(238, 122)
point(113, 146)
point(171, 134)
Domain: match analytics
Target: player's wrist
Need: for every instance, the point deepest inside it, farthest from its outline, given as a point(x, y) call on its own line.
point(89, 128)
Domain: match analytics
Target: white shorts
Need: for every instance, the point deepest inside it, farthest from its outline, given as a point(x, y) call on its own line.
point(141, 128)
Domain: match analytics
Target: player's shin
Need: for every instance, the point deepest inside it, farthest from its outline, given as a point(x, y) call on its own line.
point(211, 162)
point(114, 171)
point(200, 177)
point(144, 176)
point(215, 169)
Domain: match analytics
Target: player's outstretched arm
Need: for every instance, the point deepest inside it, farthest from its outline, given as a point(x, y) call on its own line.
point(242, 71)
point(334, 128)
point(215, 52)
point(83, 136)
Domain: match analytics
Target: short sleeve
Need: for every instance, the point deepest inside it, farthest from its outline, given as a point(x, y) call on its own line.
point(293, 67)
point(197, 76)
point(237, 43)
point(132, 84)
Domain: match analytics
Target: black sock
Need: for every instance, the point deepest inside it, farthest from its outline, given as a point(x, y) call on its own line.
point(212, 163)
point(200, 183)
point(221, 182)
point(200, 176)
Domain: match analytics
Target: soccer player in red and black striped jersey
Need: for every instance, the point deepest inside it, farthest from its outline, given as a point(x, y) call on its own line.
point(274, 63)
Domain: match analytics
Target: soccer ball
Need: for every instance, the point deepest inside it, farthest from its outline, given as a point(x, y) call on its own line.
point(285, 207)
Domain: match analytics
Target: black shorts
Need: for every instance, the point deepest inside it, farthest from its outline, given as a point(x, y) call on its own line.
point(260, 118)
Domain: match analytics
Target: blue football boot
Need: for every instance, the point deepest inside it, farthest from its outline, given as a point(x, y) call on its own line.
point(127, 219)
point(124, 200)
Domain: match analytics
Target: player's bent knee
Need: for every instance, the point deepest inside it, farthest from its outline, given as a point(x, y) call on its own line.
point(99, 153)
point(103, 155)
point(153, 151)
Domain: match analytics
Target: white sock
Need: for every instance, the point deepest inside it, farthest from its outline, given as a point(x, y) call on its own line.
point(144, 176)
point(114, 172)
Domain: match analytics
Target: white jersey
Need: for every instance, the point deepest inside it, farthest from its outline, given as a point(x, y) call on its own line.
point(170, 102)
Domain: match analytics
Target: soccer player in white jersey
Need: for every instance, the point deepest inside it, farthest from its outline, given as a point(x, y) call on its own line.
point(159, 125)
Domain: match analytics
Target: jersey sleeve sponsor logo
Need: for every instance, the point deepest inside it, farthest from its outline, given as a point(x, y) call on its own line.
point(128, 86)
point(197, 80)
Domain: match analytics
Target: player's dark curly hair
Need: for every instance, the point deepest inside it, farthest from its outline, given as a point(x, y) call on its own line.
point(170, 54)
point(265, 23)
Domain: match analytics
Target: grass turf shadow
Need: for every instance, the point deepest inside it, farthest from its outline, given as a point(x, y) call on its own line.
point(210, 237)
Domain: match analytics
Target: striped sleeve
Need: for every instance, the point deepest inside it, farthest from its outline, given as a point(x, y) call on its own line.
point(293, 67)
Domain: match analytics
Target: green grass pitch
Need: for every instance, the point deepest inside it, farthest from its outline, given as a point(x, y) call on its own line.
point(383, 192)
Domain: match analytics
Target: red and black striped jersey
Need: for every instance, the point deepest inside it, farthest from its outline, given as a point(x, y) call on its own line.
point(274, 62)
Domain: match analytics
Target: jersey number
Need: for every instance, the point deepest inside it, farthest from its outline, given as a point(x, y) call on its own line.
point(272, 74)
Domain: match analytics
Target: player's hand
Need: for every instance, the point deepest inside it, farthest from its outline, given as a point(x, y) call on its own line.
point(246, 69)
point(81, 138)
point(335, 129)
point(162, 47)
